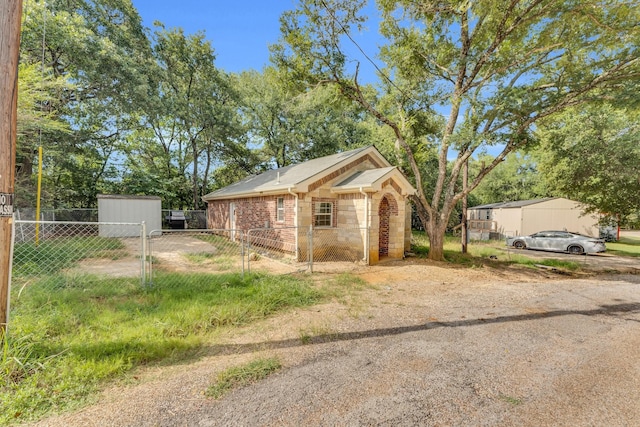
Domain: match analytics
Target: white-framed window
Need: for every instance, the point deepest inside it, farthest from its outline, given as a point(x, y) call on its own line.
point(280, 209)
point(323, 214)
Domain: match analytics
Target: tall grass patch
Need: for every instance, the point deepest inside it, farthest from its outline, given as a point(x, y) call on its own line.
point(65, 341)
point(243, 375)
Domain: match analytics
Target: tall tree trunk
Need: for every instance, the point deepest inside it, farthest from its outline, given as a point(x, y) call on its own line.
point(465, 185)
point(436, 231)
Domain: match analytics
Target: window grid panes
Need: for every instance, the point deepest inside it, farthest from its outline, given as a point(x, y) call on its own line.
point(280, 209)
point(324, 214)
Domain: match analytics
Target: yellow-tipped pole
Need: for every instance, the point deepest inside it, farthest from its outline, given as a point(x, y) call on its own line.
point(38, 194)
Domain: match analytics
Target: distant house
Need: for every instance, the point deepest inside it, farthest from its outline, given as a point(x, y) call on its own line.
point(524, 217)
point(342, 194)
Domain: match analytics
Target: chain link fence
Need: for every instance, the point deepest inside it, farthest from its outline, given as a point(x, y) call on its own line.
point(195, 219)
point(54, 260)
point(196, 252)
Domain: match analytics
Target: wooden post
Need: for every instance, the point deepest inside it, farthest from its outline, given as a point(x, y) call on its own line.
point(465, 184)
point(10, 20)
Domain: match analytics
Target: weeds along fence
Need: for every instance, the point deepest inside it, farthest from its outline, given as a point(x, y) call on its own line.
point(50, 255)
point(98, 261)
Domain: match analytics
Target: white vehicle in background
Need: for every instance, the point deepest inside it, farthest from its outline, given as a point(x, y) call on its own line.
point(558, 241)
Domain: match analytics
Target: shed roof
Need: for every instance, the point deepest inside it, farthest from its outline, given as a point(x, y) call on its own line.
point(515, 204)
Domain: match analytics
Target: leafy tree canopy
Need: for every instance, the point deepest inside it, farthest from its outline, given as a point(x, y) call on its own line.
point(592, 155)
point(489, 69)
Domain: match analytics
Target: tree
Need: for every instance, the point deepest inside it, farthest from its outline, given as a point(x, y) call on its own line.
point(491, 69)
point(592, 155)
point(190, 121)
point(291, 124)
point(100, 46)
point(516, 178)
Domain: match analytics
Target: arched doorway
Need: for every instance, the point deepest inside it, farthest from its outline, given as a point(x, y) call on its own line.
point(384, 213)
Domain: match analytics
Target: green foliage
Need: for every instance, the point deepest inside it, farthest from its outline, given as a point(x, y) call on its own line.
point(516, 178)
point(189, 123)
point(65, 344)
point(591, 154)
point(462, 77)
point(292, 124)
point(101, 48)
point(243, 375)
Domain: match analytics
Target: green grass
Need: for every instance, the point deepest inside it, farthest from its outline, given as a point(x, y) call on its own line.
point(53, 255)
point(221, 261)
point(626, 246)
point(243, 375)
point(68, 338)
point(479, 253)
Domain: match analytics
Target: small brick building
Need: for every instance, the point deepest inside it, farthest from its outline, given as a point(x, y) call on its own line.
point(344, 194)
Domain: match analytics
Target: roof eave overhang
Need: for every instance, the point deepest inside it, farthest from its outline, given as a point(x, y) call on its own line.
point(257, 193)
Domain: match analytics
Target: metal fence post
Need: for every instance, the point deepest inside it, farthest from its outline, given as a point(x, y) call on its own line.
point(150, 250)
point(8, 307)
point(242, 238)
point(249, 251)
point(310, 240)
point(143, 255)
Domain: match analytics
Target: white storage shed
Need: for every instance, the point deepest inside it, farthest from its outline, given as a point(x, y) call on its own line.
point(526, 217)
point(116, 208)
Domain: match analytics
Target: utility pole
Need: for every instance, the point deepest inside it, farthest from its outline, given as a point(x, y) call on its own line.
point(465, 184)
point(10, 20)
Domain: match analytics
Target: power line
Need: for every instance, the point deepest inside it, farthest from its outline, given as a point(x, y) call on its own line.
point(346, 32)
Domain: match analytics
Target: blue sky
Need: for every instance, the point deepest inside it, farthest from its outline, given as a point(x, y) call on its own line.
point(239, 30)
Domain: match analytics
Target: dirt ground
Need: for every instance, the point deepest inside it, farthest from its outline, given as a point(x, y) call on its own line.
point(421, 344)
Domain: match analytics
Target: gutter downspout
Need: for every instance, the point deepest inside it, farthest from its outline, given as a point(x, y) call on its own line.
point(295, 195)
point(366, 224)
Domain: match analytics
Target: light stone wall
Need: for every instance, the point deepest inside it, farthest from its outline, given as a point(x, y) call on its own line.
point(350, 211)
point(397, 225)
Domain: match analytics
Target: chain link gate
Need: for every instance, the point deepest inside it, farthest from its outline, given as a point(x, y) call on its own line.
point(195, 252)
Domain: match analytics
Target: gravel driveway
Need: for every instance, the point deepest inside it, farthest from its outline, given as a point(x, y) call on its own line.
point(424, 345)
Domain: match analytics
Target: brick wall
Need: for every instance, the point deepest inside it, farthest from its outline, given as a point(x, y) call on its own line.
point(384, 213)
point(256, 212)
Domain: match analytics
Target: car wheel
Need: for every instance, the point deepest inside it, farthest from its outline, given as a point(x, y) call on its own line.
point(519, 244)
point(575, 249)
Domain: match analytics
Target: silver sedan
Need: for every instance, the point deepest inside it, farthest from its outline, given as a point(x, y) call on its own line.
point(558, 241)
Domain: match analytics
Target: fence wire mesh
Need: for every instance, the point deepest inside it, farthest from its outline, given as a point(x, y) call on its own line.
point(338, 249)
point(63, 258)
point(194, 254)
point(276, 250)
point(103, 260)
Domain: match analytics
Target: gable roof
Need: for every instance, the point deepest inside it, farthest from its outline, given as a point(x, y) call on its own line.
point(371, 180)
point(516, 204)
point(299, 177)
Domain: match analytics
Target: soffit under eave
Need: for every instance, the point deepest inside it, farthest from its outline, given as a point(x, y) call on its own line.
point(376, 186)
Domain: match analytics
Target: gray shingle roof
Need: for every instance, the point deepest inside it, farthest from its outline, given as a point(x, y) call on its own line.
point(283, 178)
